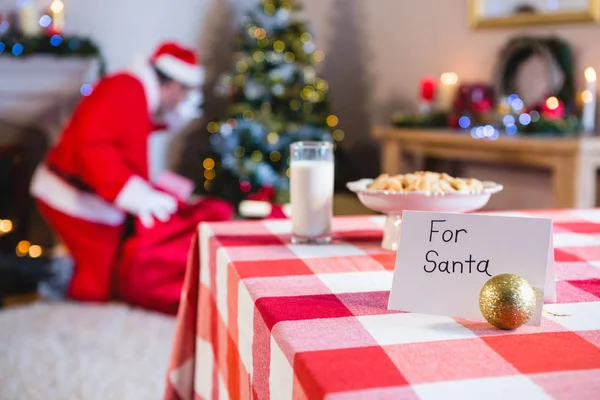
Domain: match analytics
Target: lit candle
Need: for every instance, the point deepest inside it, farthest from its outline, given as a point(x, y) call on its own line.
point(553, 108)
point(447, 91)
point(29, 18)
point(57, 9)
point(427, 95)
point(588, 117)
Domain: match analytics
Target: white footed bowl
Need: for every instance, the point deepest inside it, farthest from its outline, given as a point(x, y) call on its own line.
point(394, 203)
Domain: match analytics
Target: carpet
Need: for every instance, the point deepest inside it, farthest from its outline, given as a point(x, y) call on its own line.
point(61, 350)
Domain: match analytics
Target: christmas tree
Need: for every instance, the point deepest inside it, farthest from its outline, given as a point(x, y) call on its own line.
point(276, 98)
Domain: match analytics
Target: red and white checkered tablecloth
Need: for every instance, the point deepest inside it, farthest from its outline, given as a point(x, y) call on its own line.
point(264, 319)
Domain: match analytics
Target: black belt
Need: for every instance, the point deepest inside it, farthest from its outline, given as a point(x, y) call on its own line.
point(74, 181)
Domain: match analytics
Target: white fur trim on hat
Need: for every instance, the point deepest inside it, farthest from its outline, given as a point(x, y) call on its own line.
point(189, 75)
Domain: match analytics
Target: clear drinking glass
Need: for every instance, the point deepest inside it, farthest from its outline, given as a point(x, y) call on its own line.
point(311, 191)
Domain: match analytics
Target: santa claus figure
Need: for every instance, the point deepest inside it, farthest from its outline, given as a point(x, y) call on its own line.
point(126, 234)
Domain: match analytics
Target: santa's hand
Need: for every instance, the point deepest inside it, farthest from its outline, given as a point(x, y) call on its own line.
point(140, 199)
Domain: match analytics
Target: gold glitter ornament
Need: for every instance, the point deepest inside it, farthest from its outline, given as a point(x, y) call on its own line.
point(507, 301)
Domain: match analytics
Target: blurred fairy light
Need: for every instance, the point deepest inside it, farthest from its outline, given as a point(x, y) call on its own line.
point(23, 248)
point(35, 251)
point(511, 129)
point(241, 66)
point(279, 46)
point(45, 21)
point(248, 115)
point(260, 33)
point(552, 103)
point(517, 104)
point(208, 163)
point(4, 25)
point(310, 74)
point(295, 104)
point(322, 85)
point(271, 56)
point(524, 119)
point(56, 40)
point(226, 130)
point(6, 225)
point(306, 38)
point(86, 89)
point(287, 172)
point(269, 9)
point(227, 81)
point(273, 138)
point(318, 56)
point(258, 56)
point(239, 151)
point(464, 122)
point(210, 174)
point(487, 131)
point(308, 47)
point(508, 120)
point(275, 156)
point(212, 127)
point(17, 49)
point(339, 135)
point(289, 57)
point(332, 120)
point(306, 92)
point(245, 186)
point(256, 156)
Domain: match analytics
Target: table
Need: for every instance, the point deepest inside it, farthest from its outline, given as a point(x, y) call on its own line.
point(573, 161)
point(264, 319)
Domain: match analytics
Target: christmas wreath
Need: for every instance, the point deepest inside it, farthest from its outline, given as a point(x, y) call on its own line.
point(558, 57)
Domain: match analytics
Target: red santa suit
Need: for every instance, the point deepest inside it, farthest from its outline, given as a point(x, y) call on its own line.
point(97, 174)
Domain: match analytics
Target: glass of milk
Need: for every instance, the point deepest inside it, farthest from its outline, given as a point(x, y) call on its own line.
point(311, 191)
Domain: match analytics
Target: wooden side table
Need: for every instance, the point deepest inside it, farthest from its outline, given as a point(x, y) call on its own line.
point(573, 161)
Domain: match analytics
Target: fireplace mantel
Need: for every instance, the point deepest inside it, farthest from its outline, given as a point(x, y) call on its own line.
point(41, 91)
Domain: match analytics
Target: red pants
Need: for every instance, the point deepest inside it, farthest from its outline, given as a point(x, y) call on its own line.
point(94, 248)
point(148, 268)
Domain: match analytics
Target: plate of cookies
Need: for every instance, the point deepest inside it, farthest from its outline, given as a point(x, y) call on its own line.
point(420, 191)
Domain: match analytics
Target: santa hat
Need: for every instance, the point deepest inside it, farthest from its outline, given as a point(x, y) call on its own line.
point(178, 63)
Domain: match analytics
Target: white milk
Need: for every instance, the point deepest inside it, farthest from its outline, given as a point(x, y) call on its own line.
point(311, 187)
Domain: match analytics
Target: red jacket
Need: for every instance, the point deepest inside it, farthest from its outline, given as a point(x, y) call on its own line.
point(103, 146)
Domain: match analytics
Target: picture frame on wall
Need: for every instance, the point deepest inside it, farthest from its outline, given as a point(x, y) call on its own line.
point(506, 13)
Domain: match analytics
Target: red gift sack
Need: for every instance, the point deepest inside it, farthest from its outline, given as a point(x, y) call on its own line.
point(152, 266)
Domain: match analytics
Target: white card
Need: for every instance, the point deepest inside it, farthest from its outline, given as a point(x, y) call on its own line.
point(484, 245)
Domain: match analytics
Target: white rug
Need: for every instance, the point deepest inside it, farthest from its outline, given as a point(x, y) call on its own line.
point(80, 351)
